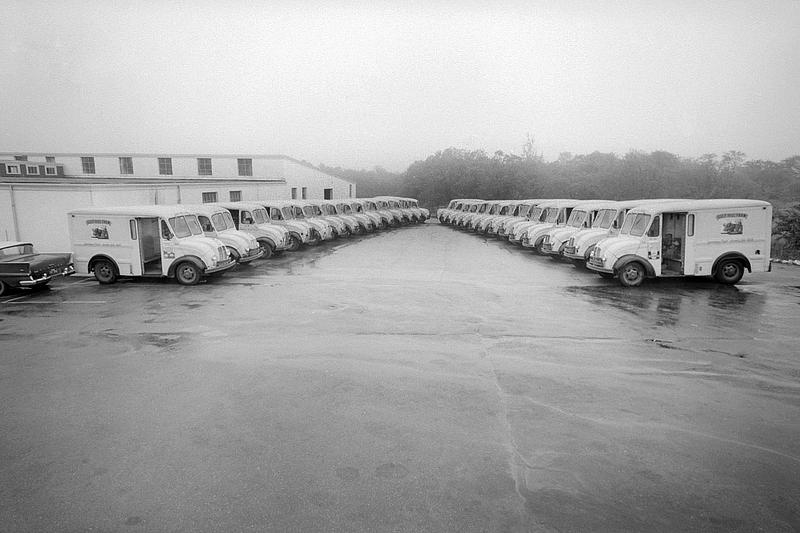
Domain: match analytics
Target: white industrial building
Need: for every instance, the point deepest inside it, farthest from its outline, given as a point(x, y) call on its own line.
point(37, 189)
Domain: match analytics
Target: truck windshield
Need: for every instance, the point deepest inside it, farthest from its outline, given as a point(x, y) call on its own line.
point(181, 228)
point(228, 220)
point(287, 212)
point(194, 225)
point(260, 215)
point(309, 211)
point(577, 218)
point(635, 224)
point(316, 210)
point(523, 210)
point(298, 212)
point(550, 214)
point(218, 220)
point(357, 208)
point(604, 218)
point(276, 213)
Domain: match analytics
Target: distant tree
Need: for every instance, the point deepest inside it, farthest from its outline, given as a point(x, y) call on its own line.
point(786, 228)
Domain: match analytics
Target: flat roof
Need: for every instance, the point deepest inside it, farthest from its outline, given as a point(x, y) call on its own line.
point(139, 154)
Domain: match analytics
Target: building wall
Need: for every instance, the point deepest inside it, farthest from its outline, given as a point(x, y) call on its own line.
point(299, 176)
point(41, 208)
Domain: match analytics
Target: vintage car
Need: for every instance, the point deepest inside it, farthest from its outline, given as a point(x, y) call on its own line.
point(20, 266)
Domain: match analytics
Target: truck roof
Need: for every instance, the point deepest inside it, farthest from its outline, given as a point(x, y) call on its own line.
point(239, 205)
point(134, 210)
point(698, 205)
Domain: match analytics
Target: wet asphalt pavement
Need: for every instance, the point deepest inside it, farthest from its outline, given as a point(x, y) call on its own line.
point(421, 379)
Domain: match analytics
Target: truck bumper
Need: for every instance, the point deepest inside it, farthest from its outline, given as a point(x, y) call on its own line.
point(598, 268)
point(221, 267)
point(255, 255)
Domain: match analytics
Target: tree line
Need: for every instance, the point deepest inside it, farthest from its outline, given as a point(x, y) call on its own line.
point(457, 173)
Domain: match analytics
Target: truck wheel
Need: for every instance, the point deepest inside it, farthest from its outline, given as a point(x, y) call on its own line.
point(294, 243)
point(267, 249)
point(187, 274)
point(234, 254)
point(729, 271)
point(632, 274)
point(105, 272)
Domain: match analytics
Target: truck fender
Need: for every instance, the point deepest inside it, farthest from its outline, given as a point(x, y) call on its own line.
point(296, 235)
point(98, 257)
point(625, 259)
point(191, 259)
point(731, 255)
point(268, 241)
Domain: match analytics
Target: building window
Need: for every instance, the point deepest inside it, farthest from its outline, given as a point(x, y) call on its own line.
point(305, 193)
point(245, 167)
point(351, 191)
point(88, 165)
point(12, 169)
point(294, 193)
point(236, 196)
point(51, 171)
point(32, 170)
point(20, 157)
point(327, 194)
point(125, 165)
point(209, 197)
point(165, 166)
point(50, 159)
point(204, 166)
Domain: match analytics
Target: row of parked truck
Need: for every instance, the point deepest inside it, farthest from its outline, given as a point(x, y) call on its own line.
point(189, 242)
point(631, 240)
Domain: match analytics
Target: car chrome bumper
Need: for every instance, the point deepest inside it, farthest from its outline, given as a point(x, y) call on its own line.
point(47, 277)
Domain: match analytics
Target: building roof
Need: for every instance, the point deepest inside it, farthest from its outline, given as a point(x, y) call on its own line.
point(155, 155)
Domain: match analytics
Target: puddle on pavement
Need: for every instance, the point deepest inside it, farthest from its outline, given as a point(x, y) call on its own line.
point(685, 304)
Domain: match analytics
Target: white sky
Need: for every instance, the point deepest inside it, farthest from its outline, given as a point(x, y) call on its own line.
point(359, 84)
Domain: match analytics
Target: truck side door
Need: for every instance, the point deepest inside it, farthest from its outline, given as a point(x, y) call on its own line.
point(653, 244)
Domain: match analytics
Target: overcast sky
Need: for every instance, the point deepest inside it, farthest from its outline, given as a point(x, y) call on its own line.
point(360, 84)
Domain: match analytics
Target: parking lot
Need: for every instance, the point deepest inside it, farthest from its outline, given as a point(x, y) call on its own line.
point(420, 379)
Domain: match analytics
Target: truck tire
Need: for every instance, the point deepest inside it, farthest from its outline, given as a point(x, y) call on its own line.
point(234, 254)
point(632, 274)
point(267, 249)
point(729, 271)
point(105, 271)
point(294, 243)
point(187, 273)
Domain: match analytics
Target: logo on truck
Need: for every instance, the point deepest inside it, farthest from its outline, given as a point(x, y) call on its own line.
point(732, 227)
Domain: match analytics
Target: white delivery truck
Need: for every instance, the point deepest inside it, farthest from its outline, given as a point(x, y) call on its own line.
point(719, 238)
point(147, 241)
point(217, 222)
point(253, 219)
